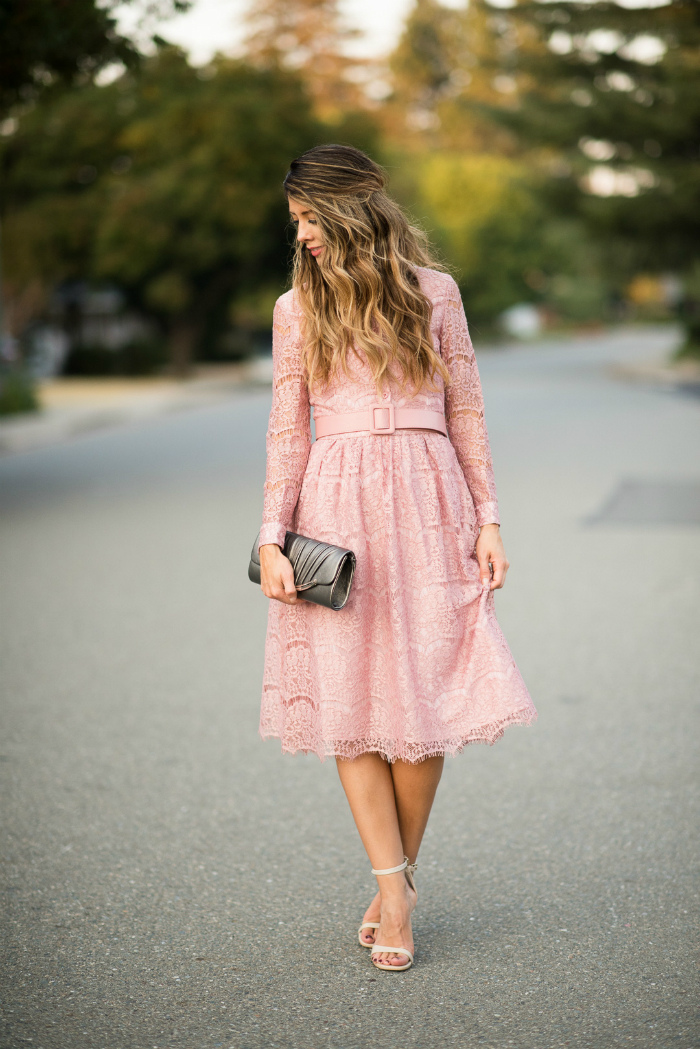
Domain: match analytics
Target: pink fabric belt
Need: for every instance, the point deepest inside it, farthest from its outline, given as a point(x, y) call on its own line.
point(380, 418)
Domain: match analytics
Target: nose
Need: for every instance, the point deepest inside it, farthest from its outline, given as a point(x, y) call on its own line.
point(303, 233)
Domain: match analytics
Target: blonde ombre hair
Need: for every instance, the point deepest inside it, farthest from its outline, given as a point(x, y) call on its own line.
point(363, 291)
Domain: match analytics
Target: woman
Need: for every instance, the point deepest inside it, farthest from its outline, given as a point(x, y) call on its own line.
point(415, 665)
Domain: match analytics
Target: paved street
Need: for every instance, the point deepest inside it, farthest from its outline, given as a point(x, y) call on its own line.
point(168, 880)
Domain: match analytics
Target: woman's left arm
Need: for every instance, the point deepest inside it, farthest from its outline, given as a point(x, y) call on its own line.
point(464, 410)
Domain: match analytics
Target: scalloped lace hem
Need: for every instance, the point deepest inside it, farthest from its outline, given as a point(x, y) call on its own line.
point(395, 750)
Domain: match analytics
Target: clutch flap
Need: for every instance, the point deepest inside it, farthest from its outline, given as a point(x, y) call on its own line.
point(314, 562)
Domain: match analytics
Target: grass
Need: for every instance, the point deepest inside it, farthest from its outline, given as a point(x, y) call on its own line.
point(17, 393)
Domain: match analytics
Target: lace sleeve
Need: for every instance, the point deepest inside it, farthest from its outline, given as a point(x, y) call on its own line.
point(289, 430)
point(464, 409)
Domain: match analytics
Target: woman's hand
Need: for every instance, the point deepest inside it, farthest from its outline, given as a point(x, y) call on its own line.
point(489, 548)
point(277, 575)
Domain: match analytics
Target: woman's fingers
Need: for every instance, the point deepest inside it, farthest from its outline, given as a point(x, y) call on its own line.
point(484, 567)
point(277, 575)
point(287, 581)
point(493, 563)
point(500, 569)
point(282, 588)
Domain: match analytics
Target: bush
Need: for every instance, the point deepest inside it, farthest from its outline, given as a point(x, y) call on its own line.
point(691, 347)
point(485, 218)
point(137, 358)
point(17, 393)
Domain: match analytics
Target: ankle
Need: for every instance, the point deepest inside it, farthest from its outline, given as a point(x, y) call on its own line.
point(397, 899)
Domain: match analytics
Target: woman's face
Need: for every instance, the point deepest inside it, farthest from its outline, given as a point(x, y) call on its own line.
point(308, 232)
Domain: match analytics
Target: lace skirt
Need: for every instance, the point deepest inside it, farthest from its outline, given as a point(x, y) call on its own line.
point(415, 664)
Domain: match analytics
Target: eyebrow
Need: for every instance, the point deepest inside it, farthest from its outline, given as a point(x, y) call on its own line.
point(291, 213)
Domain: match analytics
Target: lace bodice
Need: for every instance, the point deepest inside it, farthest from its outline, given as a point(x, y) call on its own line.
point(289, 431)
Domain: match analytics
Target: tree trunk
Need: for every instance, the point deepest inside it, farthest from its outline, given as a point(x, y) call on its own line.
point(181, 346)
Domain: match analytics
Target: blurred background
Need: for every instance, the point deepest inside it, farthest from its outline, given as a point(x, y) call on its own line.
point(551, 149)
point(167, 879)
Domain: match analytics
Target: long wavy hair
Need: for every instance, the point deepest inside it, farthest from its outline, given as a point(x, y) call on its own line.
point(362, 293)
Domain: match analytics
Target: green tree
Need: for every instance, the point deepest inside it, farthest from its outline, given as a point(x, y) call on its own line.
point(486, 215)
point(447, 68)
point(609, 103)
point(464, 176)
point(311, 38)
point(167, 182)
point(49, 41)
point(49, 44)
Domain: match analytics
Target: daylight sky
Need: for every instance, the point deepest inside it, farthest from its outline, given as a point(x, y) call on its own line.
point(217, 25)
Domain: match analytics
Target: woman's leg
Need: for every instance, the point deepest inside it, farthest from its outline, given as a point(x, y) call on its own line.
point(414, 789)
point(391, 805)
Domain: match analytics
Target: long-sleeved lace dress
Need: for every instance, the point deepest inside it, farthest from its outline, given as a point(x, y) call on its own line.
point(415, 664)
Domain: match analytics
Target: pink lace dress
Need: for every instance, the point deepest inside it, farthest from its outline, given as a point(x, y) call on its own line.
point(415, 664)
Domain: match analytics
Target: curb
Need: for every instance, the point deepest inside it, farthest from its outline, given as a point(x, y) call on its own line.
point(55, 425)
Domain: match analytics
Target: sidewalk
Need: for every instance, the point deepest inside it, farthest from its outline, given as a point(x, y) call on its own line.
point(683, 375)
point(74, 406)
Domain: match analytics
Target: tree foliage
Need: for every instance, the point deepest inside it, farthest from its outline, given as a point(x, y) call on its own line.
point(167, 182)
point(597, 110)
point(500, 133)
point(465, 177)
point(308, 36)
point(609, 96)
point(48, 41)
point(447, 68)
point(484, 216)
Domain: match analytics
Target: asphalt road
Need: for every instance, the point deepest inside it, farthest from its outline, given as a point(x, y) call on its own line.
point(170, 880)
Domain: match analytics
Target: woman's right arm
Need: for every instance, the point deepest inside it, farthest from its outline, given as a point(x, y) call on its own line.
point(288, 447)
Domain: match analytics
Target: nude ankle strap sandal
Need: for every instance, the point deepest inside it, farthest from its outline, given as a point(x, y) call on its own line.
point(408, 869)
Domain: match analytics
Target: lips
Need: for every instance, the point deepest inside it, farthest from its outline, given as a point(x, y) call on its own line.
point(315, 251)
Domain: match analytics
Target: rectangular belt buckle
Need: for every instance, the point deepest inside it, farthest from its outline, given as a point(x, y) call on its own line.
point(391, 428)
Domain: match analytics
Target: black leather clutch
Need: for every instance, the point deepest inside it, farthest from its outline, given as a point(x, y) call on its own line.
point(322, 573)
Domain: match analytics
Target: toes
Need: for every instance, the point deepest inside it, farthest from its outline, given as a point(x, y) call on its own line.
point(391, 959)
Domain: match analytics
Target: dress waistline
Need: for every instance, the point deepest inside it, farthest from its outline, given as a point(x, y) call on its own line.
point(380, 419)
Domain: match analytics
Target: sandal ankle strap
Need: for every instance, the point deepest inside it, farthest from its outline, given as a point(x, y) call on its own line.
point(393, 870)
point(401, 867)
